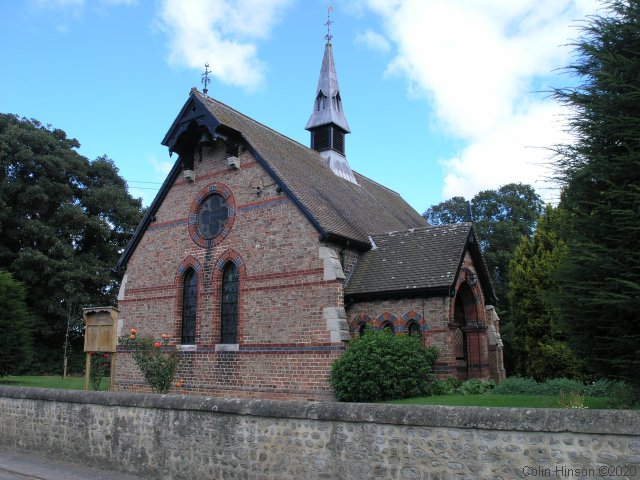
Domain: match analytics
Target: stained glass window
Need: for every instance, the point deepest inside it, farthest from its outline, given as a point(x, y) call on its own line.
point(189, 302)
point(212, 216)
point(229, 304)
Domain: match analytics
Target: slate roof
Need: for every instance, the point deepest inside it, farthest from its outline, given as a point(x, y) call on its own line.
point(339, 209)
point(417, 262)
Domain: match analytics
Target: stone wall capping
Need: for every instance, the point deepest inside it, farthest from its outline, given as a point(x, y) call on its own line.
point(591, 421)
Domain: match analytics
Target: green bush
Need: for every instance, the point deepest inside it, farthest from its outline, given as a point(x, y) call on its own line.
point(555, 386)
point(382, 366)
point(622, 394)
point(475, 387)
point(517, 386)
point(444, 387)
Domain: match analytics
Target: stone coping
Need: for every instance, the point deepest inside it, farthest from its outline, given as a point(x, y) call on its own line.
point(617, 422)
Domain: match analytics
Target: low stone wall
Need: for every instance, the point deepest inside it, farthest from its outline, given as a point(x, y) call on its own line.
point(187, 437)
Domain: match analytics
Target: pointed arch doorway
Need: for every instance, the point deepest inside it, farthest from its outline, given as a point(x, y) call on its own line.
point(465, 318)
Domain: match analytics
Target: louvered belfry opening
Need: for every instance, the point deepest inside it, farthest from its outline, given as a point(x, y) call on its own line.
point(338, 141)
point(321, 139)
point(327, 138)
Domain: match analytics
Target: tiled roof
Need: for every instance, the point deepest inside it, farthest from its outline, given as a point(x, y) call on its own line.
point(416, 260)
point(340, 207)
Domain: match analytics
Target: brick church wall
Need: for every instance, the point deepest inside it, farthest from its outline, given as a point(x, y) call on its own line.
point(284, 348)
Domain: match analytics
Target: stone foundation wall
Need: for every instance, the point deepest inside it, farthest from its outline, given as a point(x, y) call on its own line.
point(184, 437)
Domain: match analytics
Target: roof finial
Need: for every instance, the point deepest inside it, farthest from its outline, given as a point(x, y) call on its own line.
point(205, 78)
point(328, 36)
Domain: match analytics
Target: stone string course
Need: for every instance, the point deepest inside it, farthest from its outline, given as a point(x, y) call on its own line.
point(187, 437)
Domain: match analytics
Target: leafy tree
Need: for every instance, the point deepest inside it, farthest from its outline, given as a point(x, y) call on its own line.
point(63, 222)
point(16, 325)
point(501, 218)
point(600, 174)
point(401, 368)
point(539, 342)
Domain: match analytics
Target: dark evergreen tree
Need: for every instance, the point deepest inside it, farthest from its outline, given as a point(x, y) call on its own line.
point(63, 222)
point(539, 343)
point(501, 218)
point(16, 325)
point(600, 176)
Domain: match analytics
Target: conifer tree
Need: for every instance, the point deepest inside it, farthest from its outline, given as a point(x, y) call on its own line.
point(600, 174)
point(539, 341)
point(16, 325)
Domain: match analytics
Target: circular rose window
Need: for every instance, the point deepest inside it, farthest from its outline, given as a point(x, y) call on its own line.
point(211, 216)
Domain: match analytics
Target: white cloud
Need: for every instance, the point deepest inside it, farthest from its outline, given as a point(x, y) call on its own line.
point(478, 63)
point(374, 41)
point(162, 168)
point(221, 32)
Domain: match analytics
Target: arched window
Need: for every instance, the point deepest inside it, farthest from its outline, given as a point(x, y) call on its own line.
point(229, 305)
point(388, 326)
point(189, 304)
point(362, 329)
point(413, 329)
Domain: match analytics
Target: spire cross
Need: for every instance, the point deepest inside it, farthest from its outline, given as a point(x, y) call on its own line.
point(328, 36)
point(205, 78)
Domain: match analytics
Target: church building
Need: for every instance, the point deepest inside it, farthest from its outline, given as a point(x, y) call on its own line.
point(261, 258)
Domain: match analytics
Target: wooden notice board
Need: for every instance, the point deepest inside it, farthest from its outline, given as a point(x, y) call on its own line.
point(100, 335)
point(101, 329)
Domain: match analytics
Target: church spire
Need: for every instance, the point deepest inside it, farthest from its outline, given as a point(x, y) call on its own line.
point(327, 124)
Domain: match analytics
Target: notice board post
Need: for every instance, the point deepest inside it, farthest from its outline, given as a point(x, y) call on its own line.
point(100, 335)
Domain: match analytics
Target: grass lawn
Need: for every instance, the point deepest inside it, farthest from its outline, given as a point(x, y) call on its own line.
point(50, 381)
point(489, 400)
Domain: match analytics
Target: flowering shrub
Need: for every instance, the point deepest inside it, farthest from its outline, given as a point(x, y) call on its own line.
point(156, 362)
point(100, 368)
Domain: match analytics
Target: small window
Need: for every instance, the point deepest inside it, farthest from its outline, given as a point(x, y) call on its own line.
point(362, 329)
point(413, 329)
point(229, 305)
point(388, 326)
point(189, 305)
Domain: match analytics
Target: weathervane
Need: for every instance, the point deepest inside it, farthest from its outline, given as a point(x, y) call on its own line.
point(205, 78)
point(328, 36)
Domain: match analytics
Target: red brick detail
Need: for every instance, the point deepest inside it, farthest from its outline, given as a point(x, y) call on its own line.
point(217, 173)
point(289, 285)
point(291, 274)
point(387, 318)
point(266, 201)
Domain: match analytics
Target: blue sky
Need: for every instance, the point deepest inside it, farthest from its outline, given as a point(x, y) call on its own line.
point(443, 97)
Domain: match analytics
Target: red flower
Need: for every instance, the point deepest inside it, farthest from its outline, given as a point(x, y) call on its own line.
point(134, 331)
point(157, 344)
